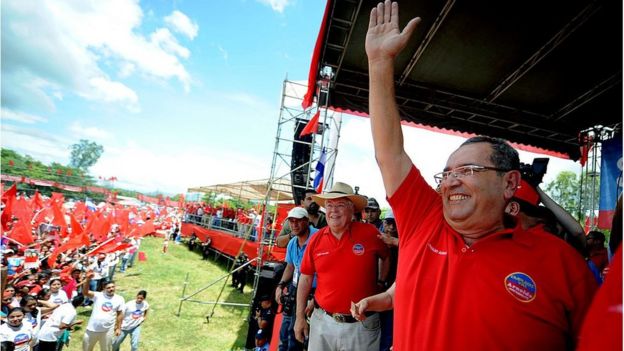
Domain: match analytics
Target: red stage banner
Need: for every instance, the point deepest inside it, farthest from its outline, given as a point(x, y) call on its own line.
point(229, 244)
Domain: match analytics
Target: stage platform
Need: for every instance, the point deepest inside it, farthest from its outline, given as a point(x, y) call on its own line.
point(229, 244)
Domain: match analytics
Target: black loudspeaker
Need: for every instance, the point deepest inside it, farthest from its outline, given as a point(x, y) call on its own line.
point(270, 275)
point(300, 156)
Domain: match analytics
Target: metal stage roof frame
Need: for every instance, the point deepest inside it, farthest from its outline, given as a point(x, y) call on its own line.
point(294, 157)
point(536, 73)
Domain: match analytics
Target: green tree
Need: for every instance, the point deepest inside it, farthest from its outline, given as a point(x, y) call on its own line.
point(566, 191)
point(85, 154)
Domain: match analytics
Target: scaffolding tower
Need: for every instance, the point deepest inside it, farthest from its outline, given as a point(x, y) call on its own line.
point(321, 144)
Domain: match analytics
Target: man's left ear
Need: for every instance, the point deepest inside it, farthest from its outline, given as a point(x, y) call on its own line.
point(512, 182)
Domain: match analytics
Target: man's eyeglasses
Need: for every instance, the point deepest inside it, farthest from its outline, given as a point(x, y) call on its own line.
point(463, 171)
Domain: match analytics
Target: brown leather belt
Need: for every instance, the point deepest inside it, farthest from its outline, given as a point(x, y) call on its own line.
point(339, 317)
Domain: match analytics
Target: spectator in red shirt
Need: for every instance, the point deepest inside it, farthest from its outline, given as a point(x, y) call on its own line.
point(345, 257)
point(598, 253)
point(469, 278)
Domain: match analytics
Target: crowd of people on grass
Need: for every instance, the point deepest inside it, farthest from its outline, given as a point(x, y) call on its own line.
point(59, 255)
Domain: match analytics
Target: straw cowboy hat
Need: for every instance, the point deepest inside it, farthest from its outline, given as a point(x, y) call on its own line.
point(340, 190)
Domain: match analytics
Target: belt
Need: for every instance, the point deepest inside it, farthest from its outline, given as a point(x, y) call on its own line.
point(341, 318)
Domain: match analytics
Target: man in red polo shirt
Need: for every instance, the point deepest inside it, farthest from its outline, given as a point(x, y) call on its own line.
point(468, 278)
point(345, 256)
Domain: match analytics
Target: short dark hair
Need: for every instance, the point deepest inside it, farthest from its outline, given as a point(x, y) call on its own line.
point(77, 300)
point(142, 293)
point(108, 282)
point(596, 235)
point(42, 293)
point(19, 309)
point(503, 155)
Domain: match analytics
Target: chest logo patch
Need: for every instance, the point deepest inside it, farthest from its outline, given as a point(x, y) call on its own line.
point(107, 306)
point(137, 314)
point(521, 286)
point(21, 338)
point(358, 249)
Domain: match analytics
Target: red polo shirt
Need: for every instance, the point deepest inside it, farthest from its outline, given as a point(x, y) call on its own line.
point(513, 290)
point(346, 269)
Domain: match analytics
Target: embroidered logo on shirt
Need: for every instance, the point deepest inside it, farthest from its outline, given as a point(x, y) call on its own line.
point(137, 314)
point(358, 249)
point(21, 339)
point(434, 250)
point(107, 306)
point(521, 286)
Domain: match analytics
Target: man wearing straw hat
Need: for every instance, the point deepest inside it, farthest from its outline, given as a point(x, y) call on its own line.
point(344, 255)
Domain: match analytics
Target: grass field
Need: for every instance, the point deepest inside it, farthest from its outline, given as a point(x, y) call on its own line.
point(162, 276)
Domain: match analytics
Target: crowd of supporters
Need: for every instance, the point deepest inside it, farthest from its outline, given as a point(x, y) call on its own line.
point(49, 246)
point(241, 222)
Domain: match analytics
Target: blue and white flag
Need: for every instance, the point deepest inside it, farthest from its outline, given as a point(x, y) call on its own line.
point(320, 170)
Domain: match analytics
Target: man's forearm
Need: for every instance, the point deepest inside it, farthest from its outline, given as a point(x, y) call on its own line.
point(385, 269)
point(303, 290)
point(119, 320)
point(288, 273)
point(393, 162)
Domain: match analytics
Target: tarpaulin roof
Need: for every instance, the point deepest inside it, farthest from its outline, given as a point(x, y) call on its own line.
point(533, 72)
point(250, 190)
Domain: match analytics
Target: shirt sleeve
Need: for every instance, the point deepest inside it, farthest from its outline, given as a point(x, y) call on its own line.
point(289, 252)
point(307, 263)
point(412, 202)
point(122, 304)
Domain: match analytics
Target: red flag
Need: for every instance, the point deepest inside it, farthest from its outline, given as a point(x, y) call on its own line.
point(59, 218)
point(104, 248)
point(9, 198)
point(36, 202)
point(122, 219)
point(100, 227)
point(22, 233)
point(76, 228)
point(42, 216)
point(312, 126)
point(147, 228)
point(21, 210)
point(73, 243)
point(79, 210)
point(10, 193)
point(115, 248)
point(78, 239)
point(58, 198)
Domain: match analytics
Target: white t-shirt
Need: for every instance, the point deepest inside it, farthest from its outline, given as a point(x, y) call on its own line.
point(65, 313)
point(19, 336)
point(134, 314)
point(104, 312)
point(59, 298)
point(35, 322)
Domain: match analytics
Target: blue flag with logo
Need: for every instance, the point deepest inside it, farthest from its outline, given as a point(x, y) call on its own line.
point(610, 179)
